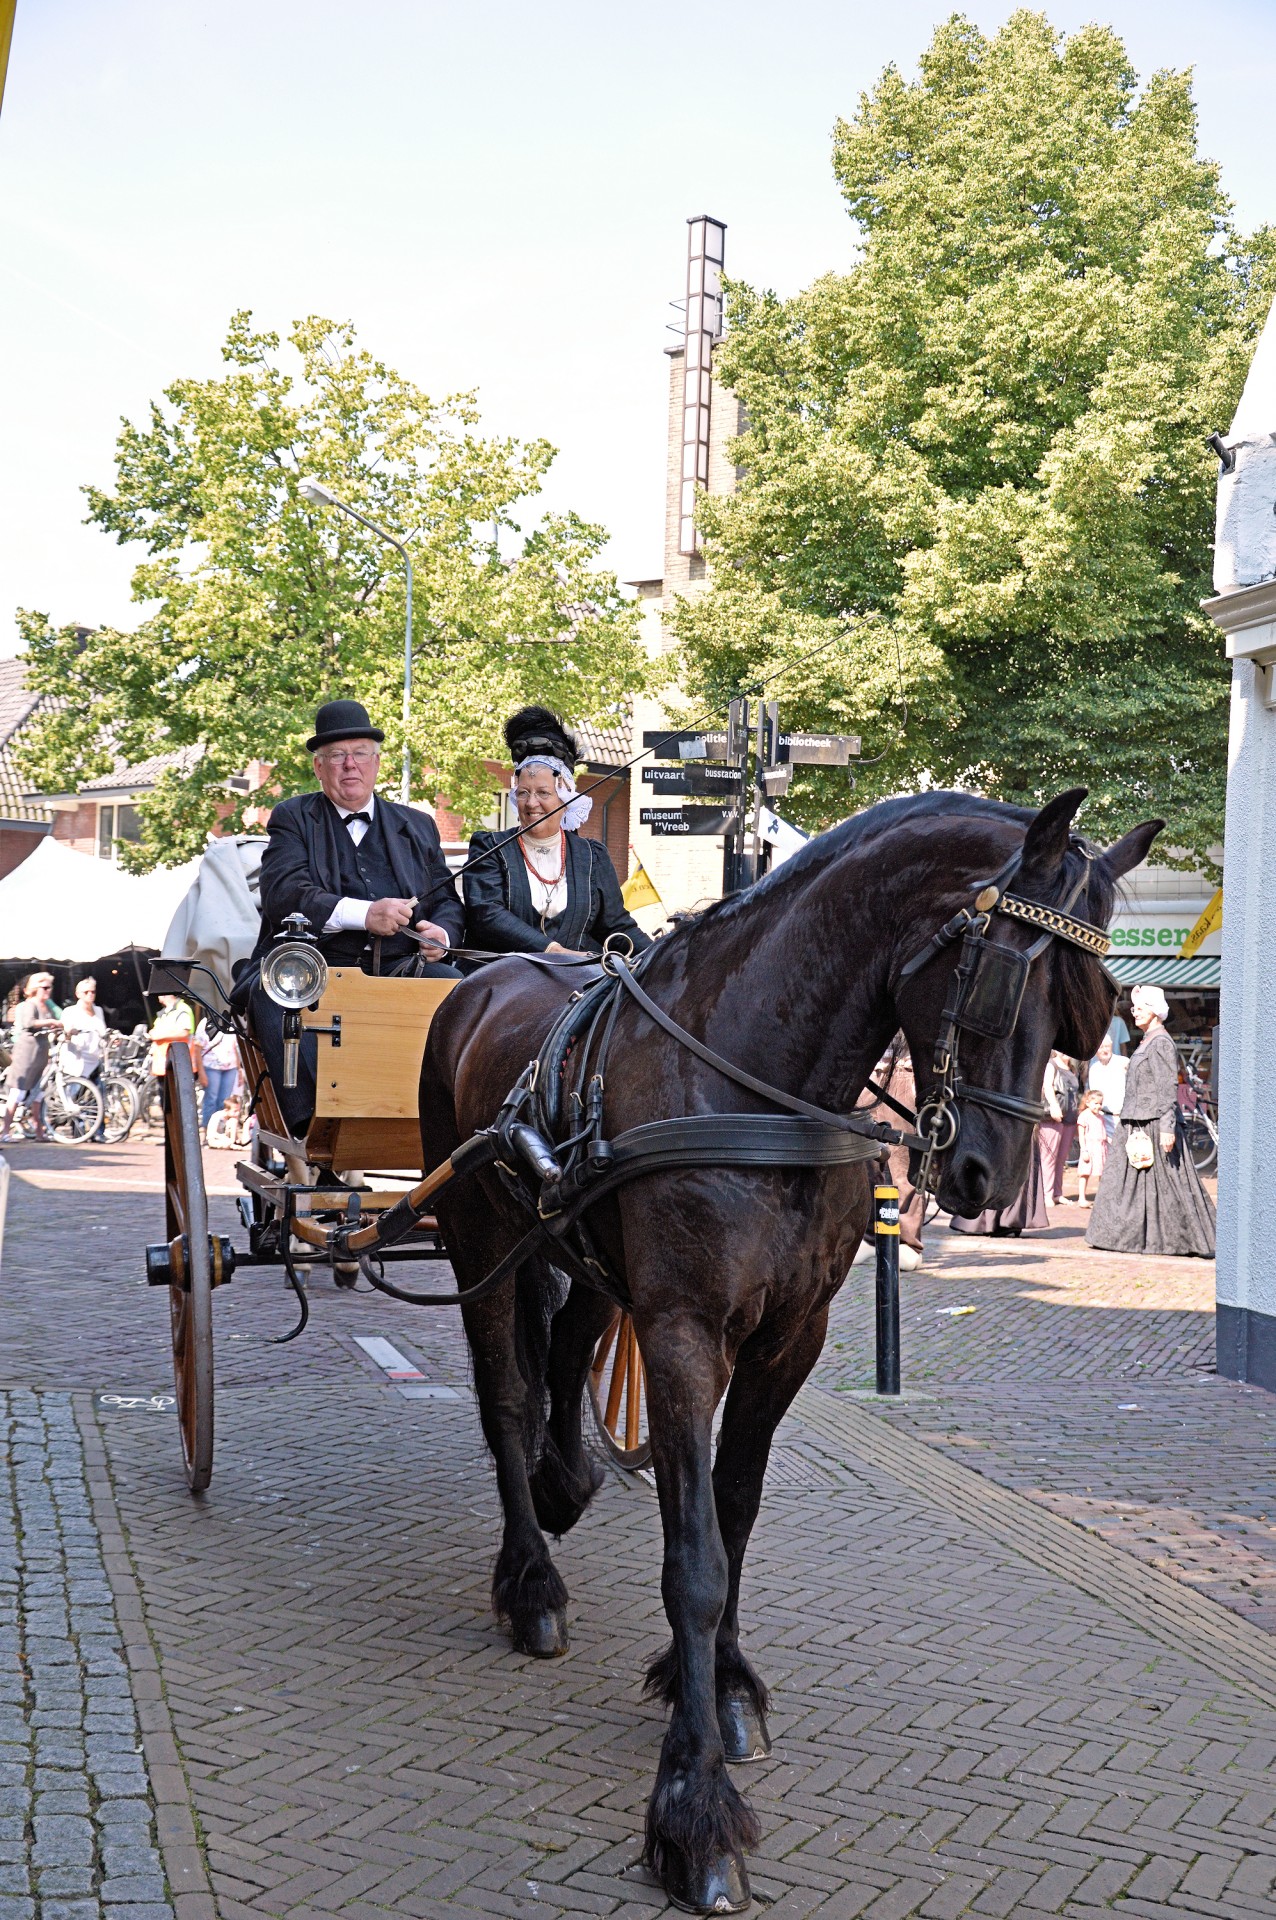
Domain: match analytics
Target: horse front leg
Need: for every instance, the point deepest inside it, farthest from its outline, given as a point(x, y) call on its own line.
point(766, 1379)
point(698, 1826)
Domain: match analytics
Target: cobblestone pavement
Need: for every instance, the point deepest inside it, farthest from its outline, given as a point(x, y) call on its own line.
point(77, 1820)
point(979, 1708)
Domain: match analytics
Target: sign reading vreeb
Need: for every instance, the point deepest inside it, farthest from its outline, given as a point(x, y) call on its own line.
point(723, 782)
point(664, 821)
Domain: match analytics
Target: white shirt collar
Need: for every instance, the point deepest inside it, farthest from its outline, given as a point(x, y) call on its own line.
point(348, 813)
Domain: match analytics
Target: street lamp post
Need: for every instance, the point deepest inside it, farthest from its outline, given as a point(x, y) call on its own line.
point(321, 496)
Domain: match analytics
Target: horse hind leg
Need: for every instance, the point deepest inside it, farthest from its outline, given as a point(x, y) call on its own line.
point(528, 1593)
point(566, 1477)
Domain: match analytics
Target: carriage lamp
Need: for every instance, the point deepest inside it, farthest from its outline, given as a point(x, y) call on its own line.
point(294, 974)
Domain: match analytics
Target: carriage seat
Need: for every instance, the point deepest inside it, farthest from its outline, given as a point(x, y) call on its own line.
point(367, 1074)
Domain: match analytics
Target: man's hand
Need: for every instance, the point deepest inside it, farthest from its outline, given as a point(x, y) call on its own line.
point(435, 941)
point(388, 917)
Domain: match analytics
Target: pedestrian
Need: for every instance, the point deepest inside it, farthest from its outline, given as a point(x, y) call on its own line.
point(1092, 1136)
point(83, 1050)
point(173, 1024)
point(1061, 1091)
point(1150, 1199)
point(218, 1071)
point(1119, 1035)
point(35, 1021)
point(1106, 1073)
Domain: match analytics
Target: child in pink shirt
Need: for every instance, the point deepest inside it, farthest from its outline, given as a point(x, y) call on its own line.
point(1092, 1139)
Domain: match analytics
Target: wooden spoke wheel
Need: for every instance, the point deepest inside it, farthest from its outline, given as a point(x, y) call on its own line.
point(617, 1389)
point(191, 1300)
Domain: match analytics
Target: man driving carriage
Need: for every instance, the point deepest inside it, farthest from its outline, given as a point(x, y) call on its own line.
point(365, 872)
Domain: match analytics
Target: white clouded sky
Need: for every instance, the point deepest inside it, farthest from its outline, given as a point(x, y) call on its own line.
point(494, 193)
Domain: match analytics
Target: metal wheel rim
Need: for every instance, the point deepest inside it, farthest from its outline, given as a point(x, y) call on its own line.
point(190, 1307)
point(617, 1379)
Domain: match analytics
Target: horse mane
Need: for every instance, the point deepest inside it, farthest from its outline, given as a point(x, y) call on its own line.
point(1082, 992)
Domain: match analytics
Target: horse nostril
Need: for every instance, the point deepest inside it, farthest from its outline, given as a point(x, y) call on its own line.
point(974, 1178)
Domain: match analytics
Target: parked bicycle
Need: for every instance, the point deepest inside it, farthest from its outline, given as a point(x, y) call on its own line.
point(1198, 1116)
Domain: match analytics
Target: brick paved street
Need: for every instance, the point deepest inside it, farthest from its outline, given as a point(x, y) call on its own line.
point(978, 1707)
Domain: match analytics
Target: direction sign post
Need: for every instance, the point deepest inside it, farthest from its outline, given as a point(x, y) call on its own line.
point(751, 762)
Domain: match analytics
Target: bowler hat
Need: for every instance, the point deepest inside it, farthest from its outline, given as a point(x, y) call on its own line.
point(341, 720)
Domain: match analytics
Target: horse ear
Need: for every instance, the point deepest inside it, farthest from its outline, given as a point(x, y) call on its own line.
point(1132, 849)
point(1046, 841)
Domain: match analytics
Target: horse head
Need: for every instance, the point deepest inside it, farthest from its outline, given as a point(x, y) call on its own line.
point(1016, 971)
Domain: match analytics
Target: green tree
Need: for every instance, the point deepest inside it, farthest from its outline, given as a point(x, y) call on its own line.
point(265, 605)
point(975, 464)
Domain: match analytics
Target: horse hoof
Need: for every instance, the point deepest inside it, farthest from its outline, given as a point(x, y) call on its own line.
point(544, 1636)
point(720, 1887)
point(743, 1729)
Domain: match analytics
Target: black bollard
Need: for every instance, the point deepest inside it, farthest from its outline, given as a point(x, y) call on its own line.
point(886, 1228)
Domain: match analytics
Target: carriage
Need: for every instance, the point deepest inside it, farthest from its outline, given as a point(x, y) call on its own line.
point(359, 1159)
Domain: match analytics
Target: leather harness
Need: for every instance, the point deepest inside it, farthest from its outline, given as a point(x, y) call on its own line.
point(549, 1145)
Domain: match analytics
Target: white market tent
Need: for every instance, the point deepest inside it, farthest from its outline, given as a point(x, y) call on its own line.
point(64, 906)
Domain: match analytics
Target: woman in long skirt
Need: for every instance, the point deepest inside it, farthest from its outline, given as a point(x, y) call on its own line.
point(1150, 1199)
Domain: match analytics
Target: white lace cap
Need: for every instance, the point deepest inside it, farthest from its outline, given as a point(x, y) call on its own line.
point(581, 806)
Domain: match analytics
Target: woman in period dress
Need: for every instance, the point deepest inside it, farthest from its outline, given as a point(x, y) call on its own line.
point(34, 1023)
point(546, 889)
point(1159, 1206)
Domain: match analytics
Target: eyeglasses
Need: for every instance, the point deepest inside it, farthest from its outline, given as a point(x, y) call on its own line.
point(361, 756)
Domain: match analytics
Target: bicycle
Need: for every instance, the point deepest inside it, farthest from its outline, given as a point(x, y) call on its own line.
point(1198, 1123)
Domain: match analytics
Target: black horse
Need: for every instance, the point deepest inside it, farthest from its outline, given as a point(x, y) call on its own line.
point(730, 1271)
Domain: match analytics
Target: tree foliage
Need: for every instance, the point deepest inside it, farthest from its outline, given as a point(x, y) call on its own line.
point(975, 463)
point(264, 605)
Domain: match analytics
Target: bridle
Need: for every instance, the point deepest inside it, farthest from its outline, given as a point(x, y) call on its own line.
point(984, 996)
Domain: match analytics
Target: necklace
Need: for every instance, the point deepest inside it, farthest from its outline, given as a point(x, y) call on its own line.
point(545, 880)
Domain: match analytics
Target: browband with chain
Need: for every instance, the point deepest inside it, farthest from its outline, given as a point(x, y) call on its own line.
point(1064, 925)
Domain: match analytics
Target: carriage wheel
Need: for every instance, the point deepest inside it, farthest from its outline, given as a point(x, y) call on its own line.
point(617, 1394)
point(191, 1305)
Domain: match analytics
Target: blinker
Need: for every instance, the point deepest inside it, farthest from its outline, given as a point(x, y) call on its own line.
point(992, 1003)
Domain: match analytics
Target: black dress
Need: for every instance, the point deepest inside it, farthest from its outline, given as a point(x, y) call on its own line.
point(1162, 1208)
point(1026, 1211)
point(500, 917)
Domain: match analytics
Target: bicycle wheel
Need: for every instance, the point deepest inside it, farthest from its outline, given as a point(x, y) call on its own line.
point(120, 1107)
point(74, 1111)
point(151, 1101)
point(1201, 1142)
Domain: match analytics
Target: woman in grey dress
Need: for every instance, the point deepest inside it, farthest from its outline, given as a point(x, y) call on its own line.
point(33, 1023)
point(1162, 1207)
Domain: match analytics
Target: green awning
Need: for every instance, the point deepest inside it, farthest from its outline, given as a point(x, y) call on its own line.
point(1202, 970)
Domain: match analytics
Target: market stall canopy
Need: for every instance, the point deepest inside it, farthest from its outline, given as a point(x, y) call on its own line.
point(1131, 970)
point(60, 905)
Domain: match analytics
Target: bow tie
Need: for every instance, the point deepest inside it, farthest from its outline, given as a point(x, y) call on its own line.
point(352, 817)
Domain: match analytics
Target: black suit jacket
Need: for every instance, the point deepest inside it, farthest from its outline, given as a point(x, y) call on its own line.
point(301, 867)
point(498, 900)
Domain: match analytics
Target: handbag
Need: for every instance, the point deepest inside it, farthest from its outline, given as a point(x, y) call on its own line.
point(1139, 1150)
